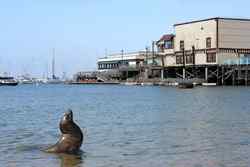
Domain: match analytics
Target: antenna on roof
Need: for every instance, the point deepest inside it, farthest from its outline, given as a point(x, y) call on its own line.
point(106, 52)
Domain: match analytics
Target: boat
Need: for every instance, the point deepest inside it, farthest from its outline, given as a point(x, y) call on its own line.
point(209, 84)
point(185, 85)
point(54, 81)
point(8, 81)
point(26, 81)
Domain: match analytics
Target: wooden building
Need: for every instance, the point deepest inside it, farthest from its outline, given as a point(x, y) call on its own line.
point(200, 48)
point(215, 50)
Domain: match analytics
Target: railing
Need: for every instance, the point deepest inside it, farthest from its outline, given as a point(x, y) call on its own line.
point(129, 53)
point(238, 61)
point(125, 56)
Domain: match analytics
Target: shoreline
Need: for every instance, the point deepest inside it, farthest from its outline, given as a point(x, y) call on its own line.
point(147, 83)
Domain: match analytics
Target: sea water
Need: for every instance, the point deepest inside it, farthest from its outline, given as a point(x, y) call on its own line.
point(127, 126)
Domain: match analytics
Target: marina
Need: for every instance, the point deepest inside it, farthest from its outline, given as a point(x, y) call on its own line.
point(124, 83)
point(213, 50)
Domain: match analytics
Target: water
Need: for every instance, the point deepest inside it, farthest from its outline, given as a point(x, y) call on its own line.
point(127, 126)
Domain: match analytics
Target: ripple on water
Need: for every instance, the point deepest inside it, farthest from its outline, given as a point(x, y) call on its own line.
point(127, 126)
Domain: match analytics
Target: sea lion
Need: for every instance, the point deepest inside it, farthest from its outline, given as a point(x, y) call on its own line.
point(71, 138)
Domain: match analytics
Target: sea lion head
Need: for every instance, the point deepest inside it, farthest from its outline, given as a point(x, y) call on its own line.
point(67, 124)
point(68, 115)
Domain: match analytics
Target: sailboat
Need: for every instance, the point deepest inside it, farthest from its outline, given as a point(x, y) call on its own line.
point(54, 79)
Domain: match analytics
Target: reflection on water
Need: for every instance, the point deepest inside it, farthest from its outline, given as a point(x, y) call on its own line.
point(127, 126)
point(68, 160)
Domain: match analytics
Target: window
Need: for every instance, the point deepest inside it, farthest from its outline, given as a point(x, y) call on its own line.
point(211, 57)
point(208, 42)
point(189, 59)
point(181, 45)
point(168, 45)
point(179, 59)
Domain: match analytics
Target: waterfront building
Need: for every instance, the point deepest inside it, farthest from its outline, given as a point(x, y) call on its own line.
point(125, 65)
point(208, 41)
point(205, 44)
point(116, 61)
point(208, 49)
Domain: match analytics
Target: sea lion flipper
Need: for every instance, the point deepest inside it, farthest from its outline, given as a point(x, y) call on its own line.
point(51, 149)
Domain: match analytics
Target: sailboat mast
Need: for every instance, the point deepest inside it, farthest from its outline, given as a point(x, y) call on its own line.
point(53, 64)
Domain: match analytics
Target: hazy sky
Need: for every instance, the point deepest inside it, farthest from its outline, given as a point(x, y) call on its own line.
point(81, 30)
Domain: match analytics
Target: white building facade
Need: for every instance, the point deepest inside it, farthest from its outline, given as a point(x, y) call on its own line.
point(132, 60)
point(210, 41)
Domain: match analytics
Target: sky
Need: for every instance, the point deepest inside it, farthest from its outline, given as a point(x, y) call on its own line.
point(80, 31)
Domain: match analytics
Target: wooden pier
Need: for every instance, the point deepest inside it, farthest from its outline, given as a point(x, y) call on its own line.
point(210, 74)
point(219, 74)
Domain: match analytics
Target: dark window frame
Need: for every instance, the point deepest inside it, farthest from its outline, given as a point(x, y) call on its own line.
point(189, 59)
point(168, 44)
point(182, 45)
point(208, 42)
point(179, 59)
point(211, 57)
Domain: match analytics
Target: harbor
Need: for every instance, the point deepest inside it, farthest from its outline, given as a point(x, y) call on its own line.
point(204, 58)
point(207, 52)
point(125, 83)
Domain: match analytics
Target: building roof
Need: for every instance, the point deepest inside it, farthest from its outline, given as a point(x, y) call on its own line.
point(126, 56)
point(167, 37)
point(213, 18)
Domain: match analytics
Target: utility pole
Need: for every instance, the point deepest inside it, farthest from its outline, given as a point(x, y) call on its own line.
point(146, 55)
point(106, 52)
point(193, 54)
point(184, 64)
point(153, 52)
point(122, 53)
point(146, 64)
